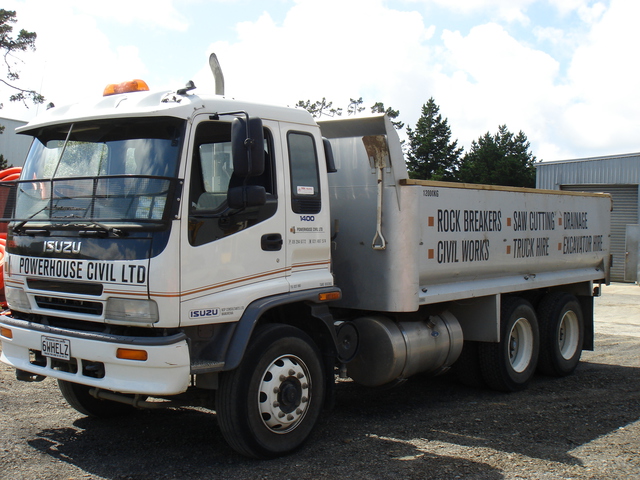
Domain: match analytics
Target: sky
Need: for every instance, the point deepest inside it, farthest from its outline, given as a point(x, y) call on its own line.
point(565, 72)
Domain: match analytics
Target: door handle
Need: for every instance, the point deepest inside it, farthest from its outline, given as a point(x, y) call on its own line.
point(271, 242)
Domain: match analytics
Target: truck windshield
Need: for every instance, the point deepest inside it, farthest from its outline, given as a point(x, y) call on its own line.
point(116, 170)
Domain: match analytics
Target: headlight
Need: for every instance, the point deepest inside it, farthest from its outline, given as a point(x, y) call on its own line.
point(131, 311)
point(17, 299)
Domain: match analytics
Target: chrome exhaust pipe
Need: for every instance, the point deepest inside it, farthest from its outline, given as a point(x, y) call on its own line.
point(217, 73)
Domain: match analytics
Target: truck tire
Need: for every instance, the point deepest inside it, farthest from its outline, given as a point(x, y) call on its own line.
point(268, 406)
point(78, 397)
point(561, 334)
point(508, 365)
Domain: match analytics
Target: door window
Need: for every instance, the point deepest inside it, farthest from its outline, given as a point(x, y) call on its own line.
point(305, 181)
point(210, 217)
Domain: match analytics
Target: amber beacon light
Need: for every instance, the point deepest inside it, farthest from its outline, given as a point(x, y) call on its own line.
point(126, 87)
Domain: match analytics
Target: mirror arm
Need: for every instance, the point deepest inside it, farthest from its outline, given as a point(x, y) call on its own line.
point(248, 141)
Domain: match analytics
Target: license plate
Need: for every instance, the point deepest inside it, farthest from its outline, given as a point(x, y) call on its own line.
point(56, 348)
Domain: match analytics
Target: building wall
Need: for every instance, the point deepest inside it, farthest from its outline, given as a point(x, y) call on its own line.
point(13, 147)
point(618, 175)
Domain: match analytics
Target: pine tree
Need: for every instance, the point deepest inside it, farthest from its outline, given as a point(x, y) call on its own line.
point(10, 46)
point(324, 107)
point(378, 107)
point(355, 106)
point(431, 155)
point(319, 108)
point(500, 159)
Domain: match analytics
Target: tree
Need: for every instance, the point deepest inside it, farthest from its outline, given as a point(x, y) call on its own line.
point(324, 107)
point(500, 159)
point(319, 108)
point(378, 107)
point(9, 47)
point(355, 106)
point(431, 155)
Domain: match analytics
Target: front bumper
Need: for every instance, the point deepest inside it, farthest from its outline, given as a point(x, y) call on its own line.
point(165, 372)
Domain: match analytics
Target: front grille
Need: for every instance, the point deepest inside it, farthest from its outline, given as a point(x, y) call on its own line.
point(60, 286)
point(70, 305)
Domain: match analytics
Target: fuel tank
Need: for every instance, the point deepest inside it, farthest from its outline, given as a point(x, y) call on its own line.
point(389, 350)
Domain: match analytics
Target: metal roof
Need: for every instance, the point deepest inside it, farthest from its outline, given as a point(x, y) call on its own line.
point(608, 170)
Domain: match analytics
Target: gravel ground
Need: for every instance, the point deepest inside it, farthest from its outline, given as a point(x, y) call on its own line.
point(584, 426)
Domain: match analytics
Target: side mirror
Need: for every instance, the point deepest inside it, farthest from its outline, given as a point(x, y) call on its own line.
point(246, 196)
point(328, 155)
point(247, 143)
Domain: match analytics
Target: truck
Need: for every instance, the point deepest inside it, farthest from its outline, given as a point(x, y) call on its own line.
point(170, 249)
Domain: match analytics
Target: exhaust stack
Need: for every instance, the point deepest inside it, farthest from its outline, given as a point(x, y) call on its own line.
point(217, 73)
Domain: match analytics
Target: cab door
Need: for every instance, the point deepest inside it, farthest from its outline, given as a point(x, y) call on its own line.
point(229, 257)
point(308, 218)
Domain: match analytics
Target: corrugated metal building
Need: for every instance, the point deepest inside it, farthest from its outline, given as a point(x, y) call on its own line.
point(14, 147)
point(618, 175)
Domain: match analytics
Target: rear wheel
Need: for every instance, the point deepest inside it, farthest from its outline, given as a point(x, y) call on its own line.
point(509, 365)
point(78, 397)
point(561, 334)
point(268, 405)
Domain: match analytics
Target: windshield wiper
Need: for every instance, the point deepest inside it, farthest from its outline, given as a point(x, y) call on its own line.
point(102, 230)
point(32, 232)
point(19, 227)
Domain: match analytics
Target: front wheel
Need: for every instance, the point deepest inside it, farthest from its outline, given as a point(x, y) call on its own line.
point(268, 405)
point(509, 365)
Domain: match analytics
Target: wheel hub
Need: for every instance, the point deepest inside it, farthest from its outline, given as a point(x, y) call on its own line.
point(520, 345)
point(290, 395)
point(284, 394)
point(568, 335)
